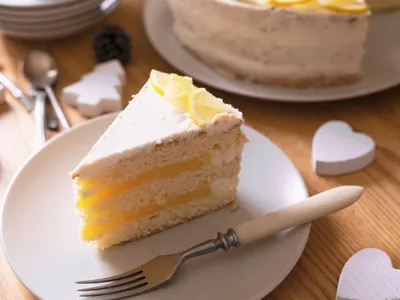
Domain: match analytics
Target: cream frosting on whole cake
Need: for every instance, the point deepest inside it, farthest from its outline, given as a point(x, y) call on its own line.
point(303, 44)
point(159, 164)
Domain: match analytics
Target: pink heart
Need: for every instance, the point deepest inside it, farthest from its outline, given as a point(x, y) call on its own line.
point(369, 275)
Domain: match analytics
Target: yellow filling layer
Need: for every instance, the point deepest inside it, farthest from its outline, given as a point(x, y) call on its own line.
point(92, 230)
point(111, 190)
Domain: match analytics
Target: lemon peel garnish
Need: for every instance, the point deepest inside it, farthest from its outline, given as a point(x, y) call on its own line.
point(160, 80)
point(203, 106)
point(178, 92)
point(200, 104)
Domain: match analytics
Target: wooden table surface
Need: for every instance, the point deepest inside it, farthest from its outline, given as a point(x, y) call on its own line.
point(372, 222)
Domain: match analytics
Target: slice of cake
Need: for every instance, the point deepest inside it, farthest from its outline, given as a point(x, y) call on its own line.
point(172, 155)
point(301, 43)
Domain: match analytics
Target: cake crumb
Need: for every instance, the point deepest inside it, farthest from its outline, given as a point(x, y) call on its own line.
point(235, 207)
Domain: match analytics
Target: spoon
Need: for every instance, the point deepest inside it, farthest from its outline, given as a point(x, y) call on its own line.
point(39, 114)
point(25, 100)
point(40, 69)
point(40, 117)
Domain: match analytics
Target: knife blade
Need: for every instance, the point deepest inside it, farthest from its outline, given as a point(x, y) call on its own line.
point(16, 92)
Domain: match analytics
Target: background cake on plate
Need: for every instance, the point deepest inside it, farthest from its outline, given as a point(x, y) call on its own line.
point(280, 42)
point(172, 155)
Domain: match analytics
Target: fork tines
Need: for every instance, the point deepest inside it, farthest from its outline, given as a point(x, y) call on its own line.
point(117, 287)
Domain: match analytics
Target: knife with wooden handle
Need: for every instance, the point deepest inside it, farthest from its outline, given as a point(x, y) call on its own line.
point(313, 208)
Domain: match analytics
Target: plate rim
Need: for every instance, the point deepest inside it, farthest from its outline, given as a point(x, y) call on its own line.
point(57, 24)
point(300, 99)
point(36, 4)
point(15, 176)
point(56, 33)
point(51, 14)
point(285, 271)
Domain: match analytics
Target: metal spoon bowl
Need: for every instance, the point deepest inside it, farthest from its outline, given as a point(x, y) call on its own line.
point(41, 70)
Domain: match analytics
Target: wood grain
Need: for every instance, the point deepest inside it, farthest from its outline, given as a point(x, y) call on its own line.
point(373, 222)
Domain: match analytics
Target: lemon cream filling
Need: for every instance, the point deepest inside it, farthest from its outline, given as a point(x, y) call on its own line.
point(112, 190)
point(92, 191)
point(93, 227)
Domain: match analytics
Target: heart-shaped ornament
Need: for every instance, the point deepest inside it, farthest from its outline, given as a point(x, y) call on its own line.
point(369, 275)
point(337, 149)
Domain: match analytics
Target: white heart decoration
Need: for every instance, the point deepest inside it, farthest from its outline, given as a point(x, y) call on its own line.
point(369, 275)
point(337, 149)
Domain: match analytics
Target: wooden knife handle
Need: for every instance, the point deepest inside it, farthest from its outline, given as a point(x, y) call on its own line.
point(312, 208)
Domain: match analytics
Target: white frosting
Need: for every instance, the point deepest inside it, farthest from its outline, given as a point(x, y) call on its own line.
point(260, 43)
point(149, 120)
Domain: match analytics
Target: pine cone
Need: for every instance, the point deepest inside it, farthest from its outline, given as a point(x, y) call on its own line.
point(112, 43)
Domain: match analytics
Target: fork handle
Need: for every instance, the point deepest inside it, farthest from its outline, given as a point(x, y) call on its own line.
point(313, 208)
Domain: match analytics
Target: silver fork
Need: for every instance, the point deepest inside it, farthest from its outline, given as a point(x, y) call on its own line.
point(161, 270)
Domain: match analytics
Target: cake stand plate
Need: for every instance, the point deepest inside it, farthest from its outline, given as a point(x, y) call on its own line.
point(39, 227)
point(381, 65)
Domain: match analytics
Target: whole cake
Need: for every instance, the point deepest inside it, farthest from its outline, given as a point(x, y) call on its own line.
point(172, 155)
point(279, 42)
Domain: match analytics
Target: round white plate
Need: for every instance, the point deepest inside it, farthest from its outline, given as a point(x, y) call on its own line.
point(24, 4)
point(62, 12)
point(39, 228)
point(67, 29)
point(51, 25)
point(381, 65)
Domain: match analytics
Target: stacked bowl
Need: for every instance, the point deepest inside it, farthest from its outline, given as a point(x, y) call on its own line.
point(49, 19)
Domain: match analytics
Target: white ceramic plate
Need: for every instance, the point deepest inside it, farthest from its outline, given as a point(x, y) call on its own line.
point(23, 4)
point(381, 65)
point(71, 26)
point(39, 228)
point(55, 24)
point(62, 12)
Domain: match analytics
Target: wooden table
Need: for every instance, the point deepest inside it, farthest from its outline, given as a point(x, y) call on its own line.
point(373, 222)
